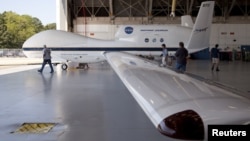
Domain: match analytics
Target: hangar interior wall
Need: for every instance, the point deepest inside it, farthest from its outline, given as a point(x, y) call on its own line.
point(230, 36)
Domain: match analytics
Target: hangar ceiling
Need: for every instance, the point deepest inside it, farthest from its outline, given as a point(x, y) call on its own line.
point(152, 8)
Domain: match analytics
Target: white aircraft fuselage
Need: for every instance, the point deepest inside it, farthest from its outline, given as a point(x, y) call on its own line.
point(136, 39)
point(139, 40)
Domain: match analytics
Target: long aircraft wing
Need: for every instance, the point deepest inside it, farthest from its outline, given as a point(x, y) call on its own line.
point(180, 106)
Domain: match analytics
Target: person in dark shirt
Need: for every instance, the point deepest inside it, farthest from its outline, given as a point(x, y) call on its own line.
point(181, 58)
point(215, 57)
point(46, 59)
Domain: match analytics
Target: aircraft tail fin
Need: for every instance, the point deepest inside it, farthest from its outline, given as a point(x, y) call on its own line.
point(200, 35)
point(187, 21)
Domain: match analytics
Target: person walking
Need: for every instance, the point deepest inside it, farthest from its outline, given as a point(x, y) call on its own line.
point(181, 58)
point(46, 59)
point(215, 57)
point(164, 55)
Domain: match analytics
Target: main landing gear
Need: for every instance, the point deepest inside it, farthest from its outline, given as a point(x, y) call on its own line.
point(64, 66)
point(83, 66)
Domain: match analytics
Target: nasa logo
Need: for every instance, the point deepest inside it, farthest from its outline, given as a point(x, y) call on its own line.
point(129, 30)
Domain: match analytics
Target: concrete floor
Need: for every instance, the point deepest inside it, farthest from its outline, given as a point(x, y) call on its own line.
point(88, 105)
point(235, 74)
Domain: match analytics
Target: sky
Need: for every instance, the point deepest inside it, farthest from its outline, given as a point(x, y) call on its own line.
point(44, 10)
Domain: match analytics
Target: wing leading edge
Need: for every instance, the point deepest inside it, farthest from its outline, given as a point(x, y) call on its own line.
point(175, 102)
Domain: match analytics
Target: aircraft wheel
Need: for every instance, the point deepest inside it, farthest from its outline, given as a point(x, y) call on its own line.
point(64, 66)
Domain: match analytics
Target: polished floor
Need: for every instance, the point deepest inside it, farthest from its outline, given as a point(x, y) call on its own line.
point(234, 74)
point(88, 105)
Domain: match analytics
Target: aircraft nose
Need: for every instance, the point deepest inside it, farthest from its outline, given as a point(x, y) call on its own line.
point(37, 40)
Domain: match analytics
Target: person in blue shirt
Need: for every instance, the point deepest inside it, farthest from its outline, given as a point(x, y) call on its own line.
point(215, 57)
point(164, 55)
point(46, 59)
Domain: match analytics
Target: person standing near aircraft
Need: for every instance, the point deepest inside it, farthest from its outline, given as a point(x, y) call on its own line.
point(46, 59)
point(181, 58)
point(164, 55)
point(215, 57)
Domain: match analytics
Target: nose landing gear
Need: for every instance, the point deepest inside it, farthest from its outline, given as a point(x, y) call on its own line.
point(64, 66)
